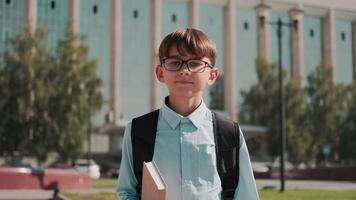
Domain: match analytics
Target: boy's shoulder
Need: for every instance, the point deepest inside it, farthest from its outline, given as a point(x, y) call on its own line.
point(147, 115)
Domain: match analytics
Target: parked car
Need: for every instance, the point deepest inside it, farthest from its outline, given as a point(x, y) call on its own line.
point(113, 172)
point(88, 166)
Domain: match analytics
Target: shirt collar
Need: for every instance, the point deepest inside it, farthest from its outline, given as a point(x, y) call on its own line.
point(196, 117)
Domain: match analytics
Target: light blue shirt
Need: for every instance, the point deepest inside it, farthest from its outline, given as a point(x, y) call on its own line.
point(184, 152)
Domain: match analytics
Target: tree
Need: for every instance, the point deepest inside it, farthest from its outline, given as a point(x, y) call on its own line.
point(78, 94)
point(260, 100)
point(25, 122)
point(47, 100)
point(217, 94)
point(298, 136)
point(260, 107)
point(348, 130)
point(326, 112)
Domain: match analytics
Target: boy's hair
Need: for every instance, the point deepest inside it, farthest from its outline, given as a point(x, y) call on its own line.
point(188, 41)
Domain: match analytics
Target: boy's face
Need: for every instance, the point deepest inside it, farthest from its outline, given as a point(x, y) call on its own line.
point(184, 82)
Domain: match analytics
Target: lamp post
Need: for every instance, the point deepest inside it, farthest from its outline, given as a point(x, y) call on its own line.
point(282, 132)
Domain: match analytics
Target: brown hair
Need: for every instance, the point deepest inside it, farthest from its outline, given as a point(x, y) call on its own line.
point(189, 41)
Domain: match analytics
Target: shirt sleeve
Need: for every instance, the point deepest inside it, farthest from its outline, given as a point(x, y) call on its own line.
point(246, 188)
point(127, 181)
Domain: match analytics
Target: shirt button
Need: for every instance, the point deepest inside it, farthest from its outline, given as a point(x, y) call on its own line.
point(185, 120)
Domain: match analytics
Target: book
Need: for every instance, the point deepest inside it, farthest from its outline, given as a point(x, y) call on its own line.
point(153, 185)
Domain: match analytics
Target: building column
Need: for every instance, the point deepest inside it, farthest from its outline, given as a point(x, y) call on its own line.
point(31, 15)
point(297, 44)
point(354, 49)
point(194, 13)
point(263, 30)
point(230, 87)
point(74, 11)
point(329, 40)
point(155, 42)
point(115, 59)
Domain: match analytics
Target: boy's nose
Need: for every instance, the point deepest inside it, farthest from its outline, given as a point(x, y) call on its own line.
point(184, 69)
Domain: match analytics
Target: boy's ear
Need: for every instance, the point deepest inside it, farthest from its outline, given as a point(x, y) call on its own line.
point(213, 75)
point(159, 73)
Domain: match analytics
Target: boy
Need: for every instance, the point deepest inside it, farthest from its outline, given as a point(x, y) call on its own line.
point(184, 144)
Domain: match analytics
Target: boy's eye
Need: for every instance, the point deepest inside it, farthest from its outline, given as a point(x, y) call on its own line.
point(174, 63)
point(196, 63)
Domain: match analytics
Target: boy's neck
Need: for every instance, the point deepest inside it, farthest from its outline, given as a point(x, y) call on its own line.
point(184, 105)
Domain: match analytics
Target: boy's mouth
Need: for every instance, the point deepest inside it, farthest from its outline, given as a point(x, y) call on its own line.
point(184, 82)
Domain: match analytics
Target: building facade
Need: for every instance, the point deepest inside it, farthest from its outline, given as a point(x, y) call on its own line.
point(124, 35)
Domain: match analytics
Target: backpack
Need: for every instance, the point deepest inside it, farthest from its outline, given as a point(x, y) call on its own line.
point(227, 140)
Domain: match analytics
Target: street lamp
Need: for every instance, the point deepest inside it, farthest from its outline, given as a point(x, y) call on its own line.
point(280, 24)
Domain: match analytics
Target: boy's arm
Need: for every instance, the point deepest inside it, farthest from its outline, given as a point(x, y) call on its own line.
point(246, 188)
point(127, 181)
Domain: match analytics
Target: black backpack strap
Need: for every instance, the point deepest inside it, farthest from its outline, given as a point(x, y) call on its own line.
point(227, 145)
point(143, 137)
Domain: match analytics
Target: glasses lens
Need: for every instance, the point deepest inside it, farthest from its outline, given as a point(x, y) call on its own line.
point(196, 65)
point(172, 64)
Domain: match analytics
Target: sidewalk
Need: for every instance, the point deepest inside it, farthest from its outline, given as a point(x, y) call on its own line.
point(261, 184)
point(26, 194)
point(307, 184)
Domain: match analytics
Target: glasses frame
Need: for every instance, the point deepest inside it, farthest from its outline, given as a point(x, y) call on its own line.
point(207, 65)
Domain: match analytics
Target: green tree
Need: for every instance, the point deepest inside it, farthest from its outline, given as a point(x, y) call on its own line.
point(260, 107)
point(326, 112)
point(298, 136)
point(78, 94)
point(260, 101)
point(348, 130)
point(217, 94)
point(25, 122)
point(47, 101)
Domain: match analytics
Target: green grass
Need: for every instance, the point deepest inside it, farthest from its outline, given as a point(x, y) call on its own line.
point(304, 194)
point(267, 194)
point(104, 182)
point(98, 196)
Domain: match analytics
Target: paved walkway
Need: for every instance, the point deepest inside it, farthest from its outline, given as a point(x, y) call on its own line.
point(26, 194)
point(307, 184)
point(261, 184)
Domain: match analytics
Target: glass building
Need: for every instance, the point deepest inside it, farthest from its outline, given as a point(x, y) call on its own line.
point(325, 33)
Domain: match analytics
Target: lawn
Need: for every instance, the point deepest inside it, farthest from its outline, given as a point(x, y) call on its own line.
point(264, 195)
point(307, 195)
point(98, 196)
point(104, 182)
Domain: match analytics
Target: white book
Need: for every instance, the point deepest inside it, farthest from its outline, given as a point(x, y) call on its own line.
point(153, 185)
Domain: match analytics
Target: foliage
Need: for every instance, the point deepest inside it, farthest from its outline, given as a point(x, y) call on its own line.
point(216, 93)
point(326, 111)
point(25, 123)
point(47, 100)
point(78, 95)
point(260, 101)
point(298, 137)
point(348, 130)
point(260, 107)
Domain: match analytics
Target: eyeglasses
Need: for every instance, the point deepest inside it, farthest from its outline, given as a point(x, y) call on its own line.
point(175, 64)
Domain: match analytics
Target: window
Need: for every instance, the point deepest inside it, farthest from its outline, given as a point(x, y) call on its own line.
point(53, 5)
point(135, 14)
point(311, 32)
point(246, 26)
point(174, 18)
point(343, 36)
point(95, 9)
